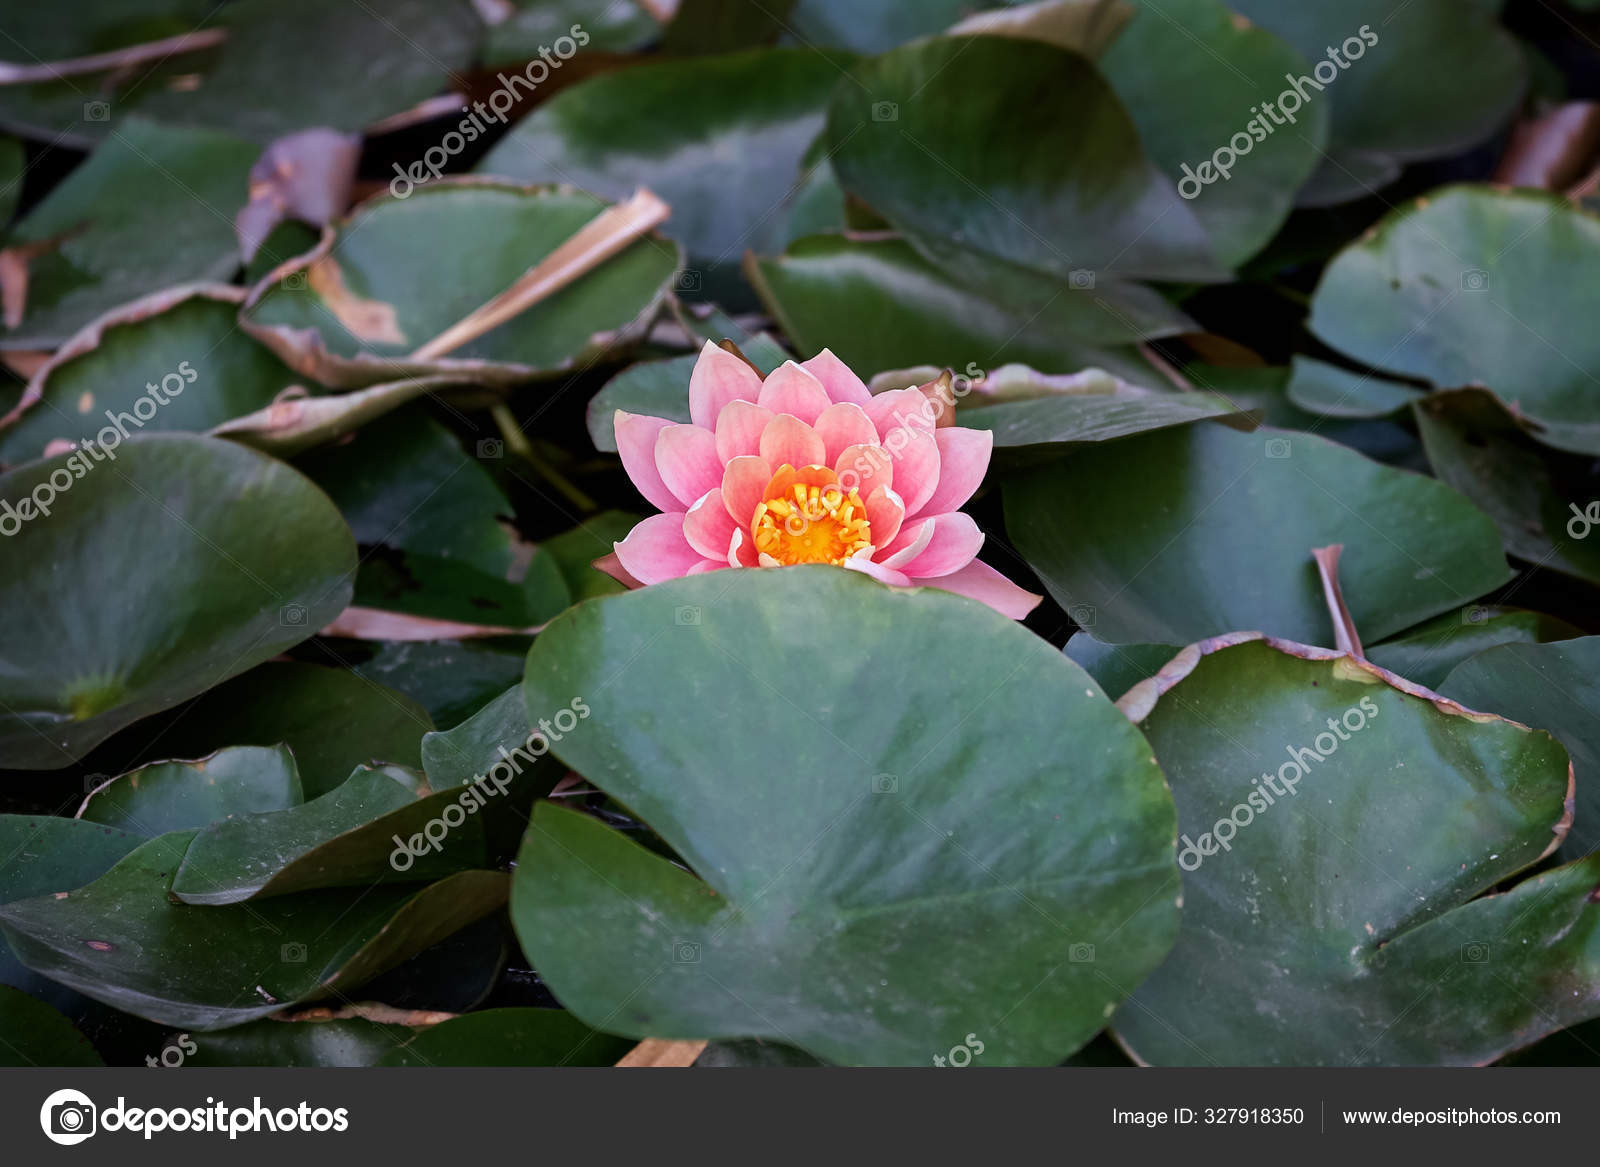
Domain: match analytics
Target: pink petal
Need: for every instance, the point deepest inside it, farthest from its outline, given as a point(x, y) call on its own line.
point(788, 440)
point(656, 550)
point(739, 427)
point(842, 425)
point(840, 383)
point(917, 466)
point(741, 549)
point(706, 565)
point(864, 469)
point(612, 566)
point(744, 481)
point(707, 526)
point(983, 583)
point(636, 443)
point(877, 571)
point(885, 513)
point(912, 541)
point(905, 409)
point(955, 541)
point(790, 389)
point(963, 460)
point(718, 378)
point(686, 456)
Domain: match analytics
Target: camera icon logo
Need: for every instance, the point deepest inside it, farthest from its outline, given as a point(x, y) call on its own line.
point(295, 281)
point(1474, 952)
point(293, 616)
point(93, 782)
point(1475, 280)
point(1083, 615)
point(293, 953)
point(885, 111)
point(1081, 954)
point(1081, 280)
point(1278, 448)
point(687, 616)
point(491, 448)
point(885, 784)
point(67, 1117)
point(685, 952)
point(688, 280)
point(96, 111)
point(1475, 614)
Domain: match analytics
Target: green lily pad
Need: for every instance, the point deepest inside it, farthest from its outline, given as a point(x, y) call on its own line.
point(151, 208)
point(1091, 406)
point(1214, 69)
point(1065, 189)
point(174, 360)
point(180, 796)
point(124, 941)
point(1425, 655)
point(737, 1054)
point(40, 855)
point(223, 558)
point(457, 756)
point(1117, 668)
point(1329, 391)
point(1476, 286)
point(435, 528)
point(1173, 549)
point(1554, 687)
point(289, 64)
point(1386, 110)
point(290, 427)
point(660, 388)
point(332, 719)
point(338, 840)
point(509, 1037)
point(401, 271)
point(1544, 503)
point(1343, 917)
point(837, 897)
point(12, 158)
point(875, 26)
point(719, 138)
point(879, 305)
point(33, 1034)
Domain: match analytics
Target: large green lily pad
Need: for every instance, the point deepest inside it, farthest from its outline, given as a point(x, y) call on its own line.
point(33, 1034)
point(509, 1037)
point(720, 138)
point(170, 221)
point(1475, 286)
point(1554, 687)
point(221, 557)
point(1197, 531)
point(966, 177)
point(1343, 916)
point(180, 796)
point(124, 941)
point(399, 271)
point(849, 852)
point(1213, 71)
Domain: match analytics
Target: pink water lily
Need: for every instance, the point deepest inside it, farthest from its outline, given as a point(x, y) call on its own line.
point(807, 466)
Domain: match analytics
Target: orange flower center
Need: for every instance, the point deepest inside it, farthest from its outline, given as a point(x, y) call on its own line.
point(806, 517)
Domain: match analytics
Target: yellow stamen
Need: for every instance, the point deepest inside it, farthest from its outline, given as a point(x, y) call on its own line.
point(815, 522)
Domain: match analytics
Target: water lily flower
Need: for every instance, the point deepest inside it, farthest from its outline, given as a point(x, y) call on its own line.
point(807, 466)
